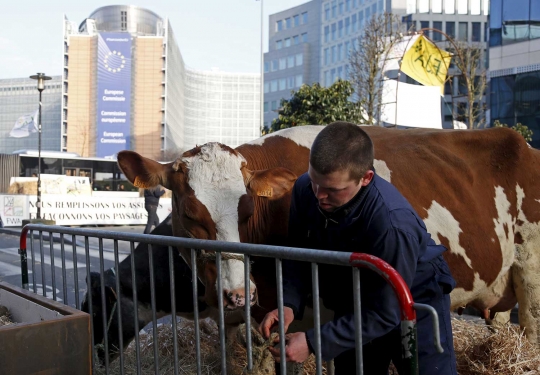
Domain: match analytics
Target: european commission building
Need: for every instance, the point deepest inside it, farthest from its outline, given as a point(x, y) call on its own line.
point(125, 85)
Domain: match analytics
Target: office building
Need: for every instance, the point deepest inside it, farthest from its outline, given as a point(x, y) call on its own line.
point(126, 86)
point(514, 64)
point(293, 56)
point(19, 104)
point(336, 26)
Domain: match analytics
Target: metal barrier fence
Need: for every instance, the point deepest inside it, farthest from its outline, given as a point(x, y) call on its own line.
point(315, 257)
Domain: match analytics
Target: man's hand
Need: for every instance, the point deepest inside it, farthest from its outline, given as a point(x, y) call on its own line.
point(272, 318)
point(296, 348)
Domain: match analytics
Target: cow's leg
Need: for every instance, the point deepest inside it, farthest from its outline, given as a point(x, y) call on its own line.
point(499, 319)
point(526, 278)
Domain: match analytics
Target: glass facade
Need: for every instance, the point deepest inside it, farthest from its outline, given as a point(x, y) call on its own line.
point(221, 107)
point(516, 98)
point(513, 21)
point(19, 97)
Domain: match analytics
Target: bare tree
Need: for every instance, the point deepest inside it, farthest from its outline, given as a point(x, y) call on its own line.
point(472, 81)
point(368, 59)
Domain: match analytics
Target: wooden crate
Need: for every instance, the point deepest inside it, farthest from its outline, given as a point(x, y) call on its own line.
point(48, 337)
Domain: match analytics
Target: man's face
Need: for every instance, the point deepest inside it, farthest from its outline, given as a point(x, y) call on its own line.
point(335, 189)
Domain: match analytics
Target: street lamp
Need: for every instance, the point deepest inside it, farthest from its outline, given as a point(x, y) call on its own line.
point(40, 77)
point(262, 68)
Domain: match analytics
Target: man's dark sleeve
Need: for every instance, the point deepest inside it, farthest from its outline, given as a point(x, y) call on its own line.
point(296, 275)
point(380, 307)
point(159, 192)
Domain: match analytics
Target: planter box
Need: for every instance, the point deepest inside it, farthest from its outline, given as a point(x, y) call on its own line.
point(49, 337)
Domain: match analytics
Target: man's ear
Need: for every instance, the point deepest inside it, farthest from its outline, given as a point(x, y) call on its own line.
point(270, 183)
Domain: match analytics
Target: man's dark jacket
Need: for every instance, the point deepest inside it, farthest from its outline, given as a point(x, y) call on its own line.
point(378, 221)
point(151, 196)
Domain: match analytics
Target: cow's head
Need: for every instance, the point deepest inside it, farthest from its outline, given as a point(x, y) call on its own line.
point(215, 197)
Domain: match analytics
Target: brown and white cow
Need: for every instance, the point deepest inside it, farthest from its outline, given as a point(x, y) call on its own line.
point(477, 191)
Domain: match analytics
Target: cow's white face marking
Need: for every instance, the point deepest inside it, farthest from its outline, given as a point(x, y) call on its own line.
point(382, 169)
point(301, 135)
point(217, 181)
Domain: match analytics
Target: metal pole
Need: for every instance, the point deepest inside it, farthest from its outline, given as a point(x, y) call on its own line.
point(38, 203)
point(262, 68)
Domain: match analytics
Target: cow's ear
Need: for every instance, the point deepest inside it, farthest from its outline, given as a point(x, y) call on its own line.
point(270, 183)
point(143, 172)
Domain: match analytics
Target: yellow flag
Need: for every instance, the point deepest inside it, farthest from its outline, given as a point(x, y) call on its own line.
point(426, 63)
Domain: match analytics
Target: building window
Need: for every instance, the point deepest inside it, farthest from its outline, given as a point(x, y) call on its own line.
point(266, 107)
point(462, 6)
point(275, 65)
point(463, 31)
point(304, 37)
point(279, 25)
point(340, 29)
point(353, 21)
point(123, 19)
point(299, 59)
point(290, 62)
point(334, 29)
point(423, 6)
point(438, 26)
point(381, 6)
point(374, 9)
point(425, 25)
point(326, 34)
point(449, 6)
point(299, 80)
point(340, 8)
point(360, 20)
point(273, 85)
point(340, 52)
point(340, 72)
point(326, 56)
point(288, 23)
point(347, 5)
point(347, 49)
point(476, 32)
point(354, 4)
point(475, 7)
point(334, 9)
point(333, 74)
point(274, 105)
point(290, 82)
point(279, 44)
point(282, 84)
point(304, 18)
point(296, 19)
point(282, 63)
point(266, 87)
point(326, 11)
point(334, 54)
point(296, 39)
point(347, 26)
point(436, 6)
point(266, 66)
point(367, 15)
point(451, 29)
point(287, 42)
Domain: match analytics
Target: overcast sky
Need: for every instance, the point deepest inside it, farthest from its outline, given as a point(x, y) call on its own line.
point(222, 34)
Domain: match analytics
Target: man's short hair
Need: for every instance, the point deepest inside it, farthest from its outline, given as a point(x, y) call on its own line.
point(342, 146)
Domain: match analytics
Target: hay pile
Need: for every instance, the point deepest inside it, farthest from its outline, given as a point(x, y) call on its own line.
point(5, 316)
point(26, 187)
point(479, 351)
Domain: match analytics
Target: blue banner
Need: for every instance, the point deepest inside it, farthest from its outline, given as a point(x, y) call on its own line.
point(113, 94)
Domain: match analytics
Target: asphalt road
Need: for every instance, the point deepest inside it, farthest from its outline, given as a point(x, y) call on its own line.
point(45, 265)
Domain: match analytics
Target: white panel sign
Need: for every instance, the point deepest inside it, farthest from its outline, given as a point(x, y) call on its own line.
point(13, 209)
point(81, 210)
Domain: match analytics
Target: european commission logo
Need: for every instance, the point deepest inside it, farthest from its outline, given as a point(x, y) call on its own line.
point(114, 62)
